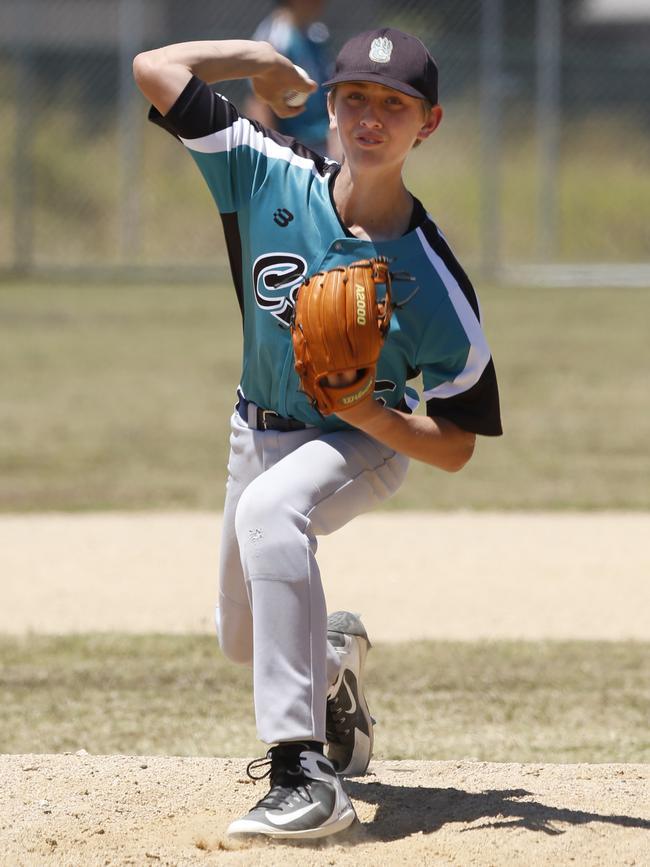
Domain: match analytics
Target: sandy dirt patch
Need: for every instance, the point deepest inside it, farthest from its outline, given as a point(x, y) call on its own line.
point(460, 576)
point(93, 810)
point(411, 575)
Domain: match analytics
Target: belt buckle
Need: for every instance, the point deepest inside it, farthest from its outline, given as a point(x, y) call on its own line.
point(269, 412)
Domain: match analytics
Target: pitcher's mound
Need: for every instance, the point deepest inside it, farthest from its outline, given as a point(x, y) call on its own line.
point(119, 810)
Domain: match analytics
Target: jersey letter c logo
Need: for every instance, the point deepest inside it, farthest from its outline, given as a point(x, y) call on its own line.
point(276, 278)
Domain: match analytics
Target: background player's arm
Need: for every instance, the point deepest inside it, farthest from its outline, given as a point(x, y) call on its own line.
point(435, 441)
point(163, 73)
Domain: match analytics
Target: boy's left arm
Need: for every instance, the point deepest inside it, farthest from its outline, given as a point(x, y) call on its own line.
point(433, 440)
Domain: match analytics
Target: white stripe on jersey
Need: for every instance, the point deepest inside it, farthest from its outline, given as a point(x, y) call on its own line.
point(479, 353)
point(242, 132)
point(411, 398)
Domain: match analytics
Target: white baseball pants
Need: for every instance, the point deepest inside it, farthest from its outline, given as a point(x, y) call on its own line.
point(284, 490)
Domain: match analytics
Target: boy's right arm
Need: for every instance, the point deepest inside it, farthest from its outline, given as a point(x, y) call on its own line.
point(162, 74)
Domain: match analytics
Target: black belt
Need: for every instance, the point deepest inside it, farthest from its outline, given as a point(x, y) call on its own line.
point(265, 419)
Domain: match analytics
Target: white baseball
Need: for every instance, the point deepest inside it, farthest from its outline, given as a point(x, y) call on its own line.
point(295, 98)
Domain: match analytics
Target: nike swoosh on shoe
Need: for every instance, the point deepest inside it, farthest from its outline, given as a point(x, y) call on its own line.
point(285, 820)
point(353, 703)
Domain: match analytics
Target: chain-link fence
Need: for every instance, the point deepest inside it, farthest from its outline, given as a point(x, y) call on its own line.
point(542, 159)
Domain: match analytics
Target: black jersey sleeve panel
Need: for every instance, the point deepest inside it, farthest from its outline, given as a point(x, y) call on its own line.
point(442, 248)
point(476, 410)
point(197, 112)
point(233, 245)
point(200, 111)
point(418, 216)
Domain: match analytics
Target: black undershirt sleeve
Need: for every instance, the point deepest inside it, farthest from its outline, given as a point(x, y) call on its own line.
point(198, 111)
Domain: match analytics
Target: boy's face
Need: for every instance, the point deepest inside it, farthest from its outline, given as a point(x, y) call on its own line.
point(378, 125)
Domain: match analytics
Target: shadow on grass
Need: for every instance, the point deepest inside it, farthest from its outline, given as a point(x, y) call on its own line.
point(406, 810)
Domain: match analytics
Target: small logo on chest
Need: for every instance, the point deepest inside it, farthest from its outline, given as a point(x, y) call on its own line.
point(282, 217)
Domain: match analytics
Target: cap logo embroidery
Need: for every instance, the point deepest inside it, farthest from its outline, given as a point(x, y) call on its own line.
point(381, 49)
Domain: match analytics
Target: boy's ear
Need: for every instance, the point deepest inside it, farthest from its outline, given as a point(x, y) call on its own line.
point(431, 123)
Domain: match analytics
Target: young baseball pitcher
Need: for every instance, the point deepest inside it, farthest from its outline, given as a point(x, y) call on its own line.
point(347, 290)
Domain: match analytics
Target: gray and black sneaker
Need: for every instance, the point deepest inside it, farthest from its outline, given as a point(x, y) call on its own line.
point(306, 799)
point(349, 726)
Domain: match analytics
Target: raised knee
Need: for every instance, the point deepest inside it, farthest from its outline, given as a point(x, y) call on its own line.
point(264, 522)
point(257, 509)
point(272, 535)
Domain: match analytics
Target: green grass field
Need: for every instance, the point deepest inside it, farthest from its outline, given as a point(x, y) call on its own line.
point(496, 701)
point(118, 397)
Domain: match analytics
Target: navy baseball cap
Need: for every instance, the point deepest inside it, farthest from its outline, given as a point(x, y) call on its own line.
point(389, 57)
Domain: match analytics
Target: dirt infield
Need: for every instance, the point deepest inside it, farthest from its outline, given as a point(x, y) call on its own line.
point(461, 576)
point(412, 575)
point(92, 810)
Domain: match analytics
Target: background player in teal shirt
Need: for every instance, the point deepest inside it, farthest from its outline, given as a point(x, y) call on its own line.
point(294, 475)
point(293, 28)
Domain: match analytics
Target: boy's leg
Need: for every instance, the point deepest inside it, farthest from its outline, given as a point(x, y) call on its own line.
point(251, 453)
point(315, 489)
point(233, 615)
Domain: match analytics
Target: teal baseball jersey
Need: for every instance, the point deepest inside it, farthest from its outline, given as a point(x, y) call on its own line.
point(281, 225)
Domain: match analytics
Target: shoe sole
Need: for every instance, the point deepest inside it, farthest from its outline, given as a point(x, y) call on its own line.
point(363, 744)
point(246, 829)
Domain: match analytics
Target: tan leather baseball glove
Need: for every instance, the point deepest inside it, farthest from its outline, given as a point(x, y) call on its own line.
point(339, 326)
